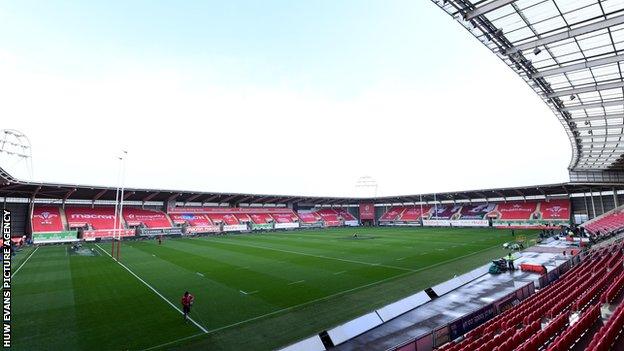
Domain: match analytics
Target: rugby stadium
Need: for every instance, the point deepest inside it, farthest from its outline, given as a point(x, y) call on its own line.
point(537, 267)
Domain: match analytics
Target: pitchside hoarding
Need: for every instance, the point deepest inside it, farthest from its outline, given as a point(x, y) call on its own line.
point(228, 210)
point(159, 231)
point(235, 228)
point(529, 223)
point(455, 223)
point(202, 229)
point(55, 237)
point(91, 235)
point(286, 225)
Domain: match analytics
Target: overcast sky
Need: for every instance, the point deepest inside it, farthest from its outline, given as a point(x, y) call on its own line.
point(287, 97)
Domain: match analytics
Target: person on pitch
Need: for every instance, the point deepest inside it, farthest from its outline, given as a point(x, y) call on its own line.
point(510, 262)
point(187, 302)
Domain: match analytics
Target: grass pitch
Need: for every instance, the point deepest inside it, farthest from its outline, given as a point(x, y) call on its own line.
point(253, 291)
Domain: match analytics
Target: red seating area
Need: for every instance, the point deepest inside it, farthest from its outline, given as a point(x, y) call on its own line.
point(392, 214)
point(238, 215)
point(148, 218)
point(345, 214)
point(516, 210)
point(96, 218)
point(413, 213)
point(615, 291)
point(261, 218)
point(520, 328)
point(612, 222)
point(329, 216)
point(284, 217)
point(194, 220)
point(572, 334)
point(46, 219)
point(228, 219)
point(555, 209)
point(243, 217)
point(309, 217)
point(612, 330)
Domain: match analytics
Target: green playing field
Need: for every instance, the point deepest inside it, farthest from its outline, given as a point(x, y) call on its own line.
point(253, 291)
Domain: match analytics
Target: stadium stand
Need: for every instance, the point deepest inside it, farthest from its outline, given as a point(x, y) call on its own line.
point(444, 211)
point(96, 218)
point(243, 217)
point(285, 217)
point(47, 219)
point(309, 217)
point(555, 210)
point(392, 214)
point(262, 218)
point(329, 217)
point(476, 211)
point(345, 214)
point(146, 218)
point(612, 222)
point(516, 210)
point(413, 213)
point(193, 219)
point(226, 218)
point(545, 319)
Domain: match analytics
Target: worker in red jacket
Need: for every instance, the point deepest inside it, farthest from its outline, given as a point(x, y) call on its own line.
point(187, 302)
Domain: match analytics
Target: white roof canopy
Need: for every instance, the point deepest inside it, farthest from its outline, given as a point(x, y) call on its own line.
point(571, 53)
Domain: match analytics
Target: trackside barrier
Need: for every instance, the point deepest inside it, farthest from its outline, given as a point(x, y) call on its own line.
point(466, 323)
point(354, 328)
point(463, 279)
point(396, 309)
point(463, 325)
point(442, 334)
point(310, 344)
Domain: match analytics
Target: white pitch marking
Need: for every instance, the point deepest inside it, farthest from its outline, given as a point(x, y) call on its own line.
point(23, 263)
point(346, 291)
point(317, 256)
point(340, 272)
point(401, 259)
point(173, 342)
point(154, 290)
point(199, 274)
point(248, 293)
point(297, 282)
point(325, 297)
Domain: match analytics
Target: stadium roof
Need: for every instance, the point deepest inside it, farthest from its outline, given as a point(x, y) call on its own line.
point(571, 53)
point(14, 188)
